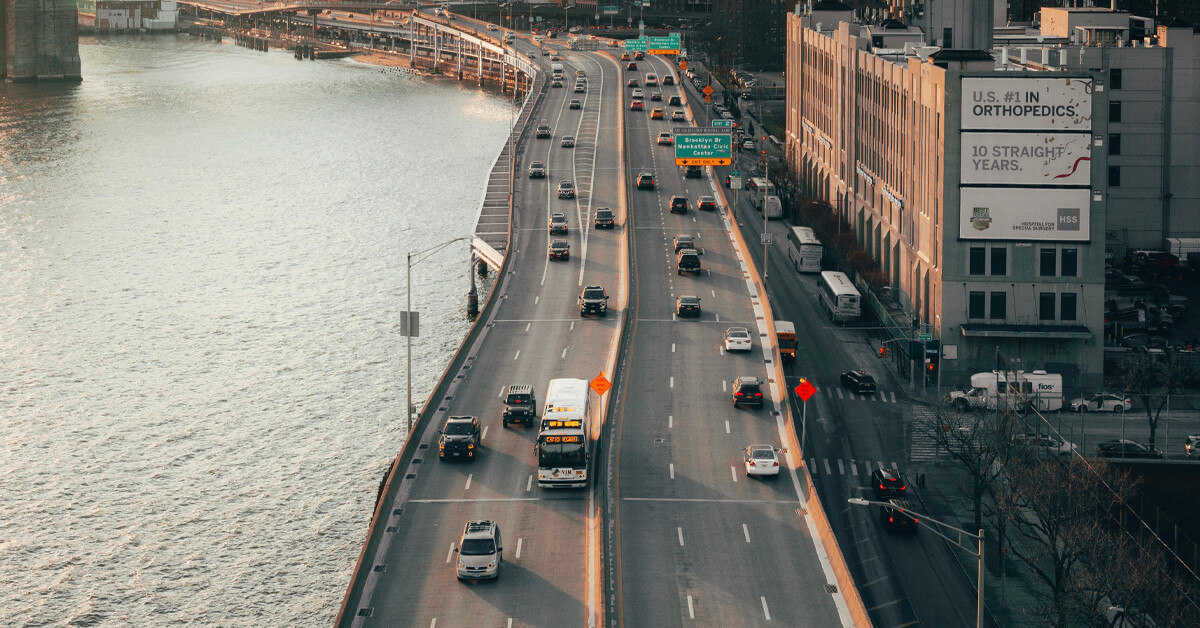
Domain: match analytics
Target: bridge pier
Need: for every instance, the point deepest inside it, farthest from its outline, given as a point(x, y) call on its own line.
point(39, 41)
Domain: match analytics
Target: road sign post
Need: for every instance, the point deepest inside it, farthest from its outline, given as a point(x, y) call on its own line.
point(805, 390)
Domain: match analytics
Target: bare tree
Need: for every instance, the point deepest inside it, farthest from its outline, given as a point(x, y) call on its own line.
point(1060, 521)
point(1153, 378)
point(980, 442)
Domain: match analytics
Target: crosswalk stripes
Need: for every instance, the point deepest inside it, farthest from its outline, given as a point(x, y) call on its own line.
point(847, 466)
point(881, 396)
point(921, 446)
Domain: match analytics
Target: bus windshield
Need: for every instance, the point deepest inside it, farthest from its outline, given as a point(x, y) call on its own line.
point(561, 455)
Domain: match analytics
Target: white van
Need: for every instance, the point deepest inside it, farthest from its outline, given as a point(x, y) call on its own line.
point(1011, 389)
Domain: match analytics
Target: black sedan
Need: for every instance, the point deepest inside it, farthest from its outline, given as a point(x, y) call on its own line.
point(1122, 448)
point(858, 381)
point(687, 306)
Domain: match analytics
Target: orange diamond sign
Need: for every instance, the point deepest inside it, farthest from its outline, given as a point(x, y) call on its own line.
point(708, 90)
point(805, 390)
point(601, 384)
point(683, 65)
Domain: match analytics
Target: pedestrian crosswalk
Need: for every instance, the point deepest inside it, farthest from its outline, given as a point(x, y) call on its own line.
point(841, 466)
point(881, 396)
point(921, 445)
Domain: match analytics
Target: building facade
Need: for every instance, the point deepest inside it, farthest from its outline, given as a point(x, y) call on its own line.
point(981, 193)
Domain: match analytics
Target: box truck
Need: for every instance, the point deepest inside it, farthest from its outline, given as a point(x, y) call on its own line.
point(1011, 389)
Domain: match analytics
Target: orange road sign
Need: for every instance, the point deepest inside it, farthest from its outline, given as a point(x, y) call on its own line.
point(708, 90)
point(600, 384)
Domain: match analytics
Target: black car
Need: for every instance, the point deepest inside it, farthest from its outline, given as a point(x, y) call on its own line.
point(706, 203)
point(683, 241)
point(593, 300)
point(675, 101)
point(687, 305)
point(459, 438)
point(1122, 448)
point(858, 381)
point(645, 181)
point(687, 261)
point(520, 405)
point(887, 483)
point(667, 79)
point(560, 249)
point(656, 96)
point(639, 55)
point(605, 219)
point(693, 172)
point(679, 204)
point(631, 66)
point(747, 391)
point(897, 520)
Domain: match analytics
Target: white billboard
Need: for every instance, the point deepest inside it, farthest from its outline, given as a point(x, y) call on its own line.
point(1026, 104)
point(1024, 214)
point(1027, 158)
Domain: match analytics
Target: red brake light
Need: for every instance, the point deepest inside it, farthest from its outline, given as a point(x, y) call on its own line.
point(775, 465)
point(757, 394)
point(752, 463)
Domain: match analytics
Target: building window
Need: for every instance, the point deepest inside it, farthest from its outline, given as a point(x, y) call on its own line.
point(999, 306)
point(1115, 78)
point(978, 260)
point(1067, 306)
point(1114, 176)
point(1046, 306)
point(1114, 144)
point(1070, 262)
point(999, 261)
point(1049, 263)
point(975, 305)
point(1114, 111)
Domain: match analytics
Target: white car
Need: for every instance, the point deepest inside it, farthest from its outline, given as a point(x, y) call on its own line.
point(492, 27)
point(1102, 403)
point(1047, 444)
point(637, 93)
point(761, 460)
point(568, 141)
point(738, 339)
point(664, 139)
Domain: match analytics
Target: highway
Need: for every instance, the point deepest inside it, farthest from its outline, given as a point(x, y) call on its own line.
point(698, 541)
point(535, 334)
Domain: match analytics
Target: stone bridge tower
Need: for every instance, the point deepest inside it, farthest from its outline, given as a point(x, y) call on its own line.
point(39, 40)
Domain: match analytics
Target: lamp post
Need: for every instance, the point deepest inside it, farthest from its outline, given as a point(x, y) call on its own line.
point(409, 326)
point(921, 520)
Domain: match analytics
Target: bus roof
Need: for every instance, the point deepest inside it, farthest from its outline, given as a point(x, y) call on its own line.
point(805, 235)
point(785, 327)
point(838, 282)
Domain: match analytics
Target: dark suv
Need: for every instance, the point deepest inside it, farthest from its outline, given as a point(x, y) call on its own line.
point(593, 300)
point(459, 438)
point(897, 520)
point(887, 483)
point(747, 391)
point(543, 131)
point(687, 261)
point(679, 204)
point(693, 172)
point(520, 405)
point(858, 381)
point(645, 181)
point(604, 218)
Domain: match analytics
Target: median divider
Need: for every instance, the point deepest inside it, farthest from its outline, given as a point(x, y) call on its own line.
point(813, 511)
point(386, 502)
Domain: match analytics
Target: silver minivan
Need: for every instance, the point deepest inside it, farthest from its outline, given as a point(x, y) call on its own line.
point(480, 551)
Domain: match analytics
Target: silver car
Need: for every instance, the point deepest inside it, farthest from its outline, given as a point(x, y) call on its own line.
point(480, 551)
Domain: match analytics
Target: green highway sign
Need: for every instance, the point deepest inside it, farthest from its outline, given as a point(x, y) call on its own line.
point(735, 173)
point(703, 149)
point(667, 45)
point(924, 337)
point(638, 44)
point(722, 122)
point(610, 10)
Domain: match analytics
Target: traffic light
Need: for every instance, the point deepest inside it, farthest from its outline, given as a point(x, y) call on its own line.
point(931, 367)
point(884, 352)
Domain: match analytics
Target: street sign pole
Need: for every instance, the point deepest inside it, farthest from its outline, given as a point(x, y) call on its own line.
point(805, 390)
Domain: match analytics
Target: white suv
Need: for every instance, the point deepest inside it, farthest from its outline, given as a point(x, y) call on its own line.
point(480, 551)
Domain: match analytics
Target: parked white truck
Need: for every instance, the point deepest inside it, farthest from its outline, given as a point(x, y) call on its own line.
point(1011, 389)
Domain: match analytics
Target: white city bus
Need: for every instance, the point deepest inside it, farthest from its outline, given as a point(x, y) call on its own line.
point(564, 443)
point(839, 297)
point(806, 250)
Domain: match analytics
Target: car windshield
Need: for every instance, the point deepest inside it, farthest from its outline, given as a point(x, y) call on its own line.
point(593, 294)
point(604, 213)
point(739, 334)
point(558, 219)
point(561, 455)
point(762, 454)
point(518, 399)
point(458, 429)
point(477, 547)
point(689, 300)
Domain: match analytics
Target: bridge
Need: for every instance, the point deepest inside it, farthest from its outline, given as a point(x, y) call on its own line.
point(39, 41)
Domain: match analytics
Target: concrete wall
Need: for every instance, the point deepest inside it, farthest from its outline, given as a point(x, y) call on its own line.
point(40, 40)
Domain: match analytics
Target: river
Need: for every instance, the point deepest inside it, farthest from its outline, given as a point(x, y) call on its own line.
point(202, 379)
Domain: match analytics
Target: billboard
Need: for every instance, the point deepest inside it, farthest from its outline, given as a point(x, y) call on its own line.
point(1024, 214)
point(1026, 159)
point(1026, 104)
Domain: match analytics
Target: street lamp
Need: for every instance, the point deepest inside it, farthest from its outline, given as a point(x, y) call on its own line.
point(921, 520)
point(409, 326)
